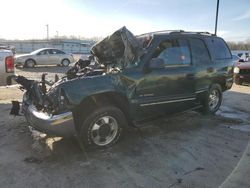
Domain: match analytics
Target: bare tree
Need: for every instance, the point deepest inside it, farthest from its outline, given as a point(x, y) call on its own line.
point(239, 45)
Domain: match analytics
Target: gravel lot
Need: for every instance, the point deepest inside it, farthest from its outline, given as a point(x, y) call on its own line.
point(185, 150)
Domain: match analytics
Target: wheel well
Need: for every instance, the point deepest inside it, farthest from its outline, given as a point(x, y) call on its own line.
point(65, 59)
point(30, 59)
point(96, 101)
point(220, 82)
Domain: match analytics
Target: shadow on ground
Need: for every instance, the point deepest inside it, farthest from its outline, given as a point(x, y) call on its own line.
point(185, 150)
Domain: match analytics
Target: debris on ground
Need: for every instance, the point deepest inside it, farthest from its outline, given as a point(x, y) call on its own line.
point(32, 160)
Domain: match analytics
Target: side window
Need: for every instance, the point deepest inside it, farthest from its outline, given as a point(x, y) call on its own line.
point(54, 51)
point(59, 52)
point(218, 48)
point(199, 51)
point(50, 51)
point(174, 52)
point(240, 54)
point(44, 52)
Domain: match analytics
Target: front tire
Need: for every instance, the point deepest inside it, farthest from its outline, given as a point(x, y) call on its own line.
point(212, 100)
point(30, 63)
point(103, 127)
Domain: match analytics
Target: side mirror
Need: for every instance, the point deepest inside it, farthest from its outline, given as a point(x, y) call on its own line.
point(156, 63)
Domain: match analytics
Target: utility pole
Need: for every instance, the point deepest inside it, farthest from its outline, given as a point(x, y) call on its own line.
point(57, 34)
point(47, 31)
point(216, 19)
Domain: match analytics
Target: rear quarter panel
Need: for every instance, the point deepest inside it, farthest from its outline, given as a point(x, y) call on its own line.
point(223, 67)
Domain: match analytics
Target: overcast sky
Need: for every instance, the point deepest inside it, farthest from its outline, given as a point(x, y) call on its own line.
point(26, 19)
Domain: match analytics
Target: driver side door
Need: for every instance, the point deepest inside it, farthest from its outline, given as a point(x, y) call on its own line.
point(168, 89)
point(43, 57)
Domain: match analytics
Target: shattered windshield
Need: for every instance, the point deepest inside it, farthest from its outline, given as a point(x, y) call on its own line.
point(145, 40)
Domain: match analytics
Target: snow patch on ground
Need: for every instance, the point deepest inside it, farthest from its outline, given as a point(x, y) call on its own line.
point(244, 128)
point(231, 113)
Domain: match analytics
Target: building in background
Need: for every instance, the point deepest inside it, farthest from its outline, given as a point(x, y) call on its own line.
point(67, 45)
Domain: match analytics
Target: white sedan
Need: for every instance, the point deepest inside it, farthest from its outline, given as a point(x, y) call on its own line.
point(44, 56)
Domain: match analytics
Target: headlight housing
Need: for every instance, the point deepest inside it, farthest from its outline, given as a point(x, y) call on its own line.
point(236, 70)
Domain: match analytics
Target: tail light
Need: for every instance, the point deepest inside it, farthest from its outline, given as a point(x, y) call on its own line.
point(9, 64)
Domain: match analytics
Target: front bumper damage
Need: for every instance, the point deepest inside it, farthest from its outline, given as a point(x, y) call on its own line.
point(58, 125)
point(35, 107)
point(49, 110)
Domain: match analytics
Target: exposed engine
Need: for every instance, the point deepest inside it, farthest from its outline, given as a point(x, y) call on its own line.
point(109, 56)
point(43, 93)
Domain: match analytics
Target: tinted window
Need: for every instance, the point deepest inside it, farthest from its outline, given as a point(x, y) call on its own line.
point(60, 52)
point(199, 52)
point(51, 51)
point(44, 52)
point(173, 52)
point(218, 48)
point(54, 51)
point(240, 54)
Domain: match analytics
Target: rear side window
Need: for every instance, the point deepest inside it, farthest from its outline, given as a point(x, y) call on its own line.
point(218, 48)
point(59, 52)
point(199, 51)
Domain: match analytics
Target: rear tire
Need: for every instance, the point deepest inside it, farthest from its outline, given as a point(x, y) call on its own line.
point(65, 62)
point(103, 127)
point(30, 63)
point(212, 100)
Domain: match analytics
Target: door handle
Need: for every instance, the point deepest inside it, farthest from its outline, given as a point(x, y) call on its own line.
point(210, 70)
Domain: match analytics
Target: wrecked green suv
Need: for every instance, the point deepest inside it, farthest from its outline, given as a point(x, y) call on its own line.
point(134, 78)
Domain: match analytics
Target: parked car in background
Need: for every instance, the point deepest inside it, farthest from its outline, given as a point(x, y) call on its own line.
point(11, 48)
point(236, 60)
point(44, 56)
point(243, 55)
point(242, 73)
point(139, 77)
point(6, 66)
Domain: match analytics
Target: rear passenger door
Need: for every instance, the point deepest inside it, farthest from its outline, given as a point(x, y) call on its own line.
point(52, 56)
point(222, 59)
point(204, 67)
point(55, 56)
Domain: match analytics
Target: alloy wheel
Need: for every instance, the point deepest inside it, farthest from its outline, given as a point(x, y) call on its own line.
point(214, 98)
point(104, 130)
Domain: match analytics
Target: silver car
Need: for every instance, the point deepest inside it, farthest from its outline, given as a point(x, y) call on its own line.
point(44, 56)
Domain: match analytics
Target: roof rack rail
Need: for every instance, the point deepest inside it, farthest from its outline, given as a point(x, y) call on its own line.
point(178, 32)
point(161, 31)
point(194, 32)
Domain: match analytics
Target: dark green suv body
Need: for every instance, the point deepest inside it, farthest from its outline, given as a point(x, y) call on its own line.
point(138, 77)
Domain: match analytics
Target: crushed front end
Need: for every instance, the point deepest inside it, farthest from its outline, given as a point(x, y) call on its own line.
point(50, 110)
point(45, 110)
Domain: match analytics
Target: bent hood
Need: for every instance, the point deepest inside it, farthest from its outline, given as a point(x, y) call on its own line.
point(120, 47)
